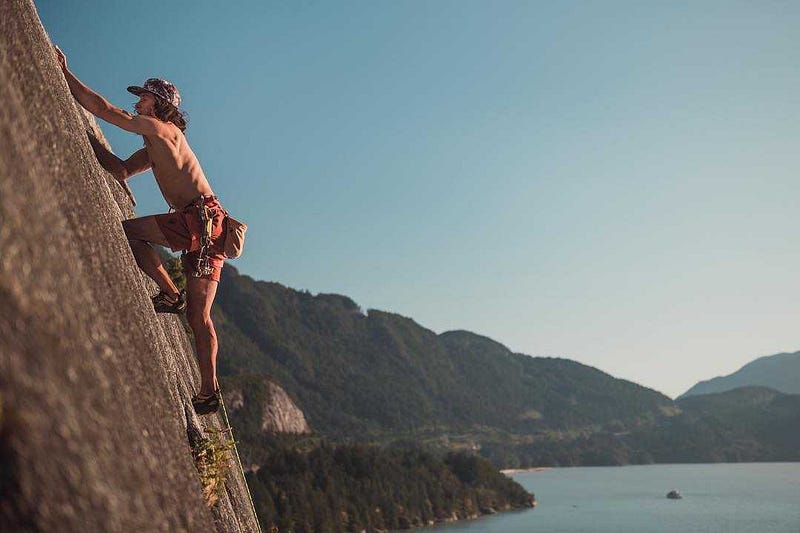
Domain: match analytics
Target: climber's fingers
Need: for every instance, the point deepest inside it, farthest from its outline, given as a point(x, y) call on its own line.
point(62, 59)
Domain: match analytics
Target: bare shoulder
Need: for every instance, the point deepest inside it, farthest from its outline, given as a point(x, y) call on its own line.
point(164, 132)
point(171, 132)
point(159, 127)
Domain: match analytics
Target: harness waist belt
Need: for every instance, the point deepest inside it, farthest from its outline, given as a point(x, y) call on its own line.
point(197, 202)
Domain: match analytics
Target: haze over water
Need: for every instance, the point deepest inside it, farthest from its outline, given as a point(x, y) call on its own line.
point(718, 498)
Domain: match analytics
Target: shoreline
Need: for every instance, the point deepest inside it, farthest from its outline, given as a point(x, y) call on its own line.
point(512, 471)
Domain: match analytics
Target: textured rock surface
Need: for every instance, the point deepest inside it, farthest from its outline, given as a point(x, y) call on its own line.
point(281, 415)
point(94, 387)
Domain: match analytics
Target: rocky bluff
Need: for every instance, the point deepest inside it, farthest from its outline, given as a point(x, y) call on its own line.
point(95, 411)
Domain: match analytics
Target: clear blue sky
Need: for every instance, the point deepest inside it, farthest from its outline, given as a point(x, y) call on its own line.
point(613, 182)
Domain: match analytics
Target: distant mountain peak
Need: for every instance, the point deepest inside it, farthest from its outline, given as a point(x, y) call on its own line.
point(780, 372)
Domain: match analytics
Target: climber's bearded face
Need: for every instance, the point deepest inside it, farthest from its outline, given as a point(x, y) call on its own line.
point(146, 104)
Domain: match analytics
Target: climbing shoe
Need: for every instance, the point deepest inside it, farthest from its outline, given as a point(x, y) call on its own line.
point(205, 405)
point(164, 304)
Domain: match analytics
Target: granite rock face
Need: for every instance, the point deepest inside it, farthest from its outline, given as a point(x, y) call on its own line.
point(95, 388)
point(279, 414)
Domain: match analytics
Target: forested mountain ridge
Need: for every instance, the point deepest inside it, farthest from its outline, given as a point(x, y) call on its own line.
point(358, 377)
point(357, 374)
point(353, 487)
point(744, 424)
point(780, 372)
point(380, 377)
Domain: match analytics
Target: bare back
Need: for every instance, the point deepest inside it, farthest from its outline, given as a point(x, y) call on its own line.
point(175, 167)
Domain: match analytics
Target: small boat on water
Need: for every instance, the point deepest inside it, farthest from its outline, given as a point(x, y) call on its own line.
point(674, 495)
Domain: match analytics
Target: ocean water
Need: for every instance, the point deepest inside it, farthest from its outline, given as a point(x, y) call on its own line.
point(717, 498)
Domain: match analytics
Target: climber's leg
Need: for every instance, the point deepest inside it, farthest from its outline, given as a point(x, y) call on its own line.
point(141, 232)
point(200, 296)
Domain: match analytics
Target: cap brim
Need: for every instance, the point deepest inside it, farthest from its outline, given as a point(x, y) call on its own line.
point(135, 89)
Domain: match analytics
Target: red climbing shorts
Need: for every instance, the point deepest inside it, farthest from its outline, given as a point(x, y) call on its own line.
point(183, 230)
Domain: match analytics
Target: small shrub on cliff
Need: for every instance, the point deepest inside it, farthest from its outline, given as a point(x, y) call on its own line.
point(211, 460)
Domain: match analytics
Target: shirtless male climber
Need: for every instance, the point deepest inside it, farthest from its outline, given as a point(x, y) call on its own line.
point(196, 226)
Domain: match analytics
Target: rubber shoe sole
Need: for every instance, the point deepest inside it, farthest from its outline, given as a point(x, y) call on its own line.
point(162, 305)
point(206, 405)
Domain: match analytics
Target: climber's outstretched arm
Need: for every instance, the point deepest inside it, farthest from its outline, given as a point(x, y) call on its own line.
point(106, 158)
point(100, 107)
point(138, 162)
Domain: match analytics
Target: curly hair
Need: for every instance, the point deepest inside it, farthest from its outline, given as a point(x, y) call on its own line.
point(167, 112)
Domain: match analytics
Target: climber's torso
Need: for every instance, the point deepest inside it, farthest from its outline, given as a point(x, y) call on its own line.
point(175, 167)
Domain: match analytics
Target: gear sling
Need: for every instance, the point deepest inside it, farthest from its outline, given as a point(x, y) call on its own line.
point(234, 231)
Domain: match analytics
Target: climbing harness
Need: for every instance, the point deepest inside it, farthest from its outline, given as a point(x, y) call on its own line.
point(232, 237)
point(203, 266)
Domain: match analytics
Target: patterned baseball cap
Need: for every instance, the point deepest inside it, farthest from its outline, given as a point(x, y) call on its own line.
point(161, 88)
